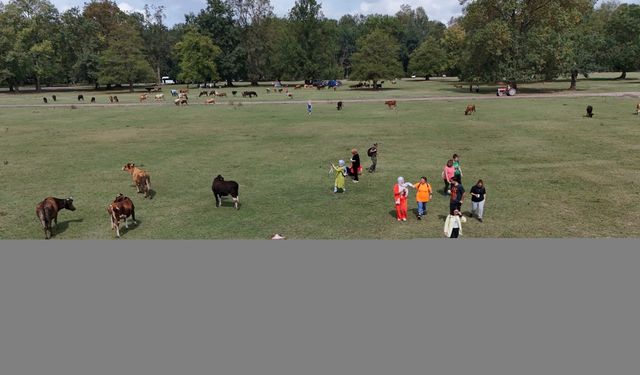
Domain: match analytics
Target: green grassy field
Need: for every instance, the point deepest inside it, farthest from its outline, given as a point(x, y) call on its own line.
point(549, 171)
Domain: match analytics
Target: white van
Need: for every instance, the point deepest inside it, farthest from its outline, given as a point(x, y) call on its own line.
point(168, 81)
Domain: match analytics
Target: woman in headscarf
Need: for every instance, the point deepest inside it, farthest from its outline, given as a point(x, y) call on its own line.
point(340, 171)
point(400, 193)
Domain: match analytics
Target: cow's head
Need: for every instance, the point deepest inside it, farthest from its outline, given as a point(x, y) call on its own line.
point(119, 197)
point(128, 167)
point(219, 178)
point(68, 204)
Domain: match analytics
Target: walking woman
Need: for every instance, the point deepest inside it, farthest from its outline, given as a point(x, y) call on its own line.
point(400, 193)
point(355, 164)
point(447, 175)
point(478, 195)
point(453, 224)
point(340, 171)
point(423, 196)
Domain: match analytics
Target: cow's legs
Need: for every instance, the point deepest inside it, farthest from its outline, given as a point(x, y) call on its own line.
point(235, 202)
point(218, 200)
point(133, 216)
point(118, 230)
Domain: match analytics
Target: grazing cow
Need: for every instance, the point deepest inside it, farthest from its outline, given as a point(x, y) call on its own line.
point(47, 212)
point(638, 109)
point(184, 91)
point(222, 188)
point(221, 94)
point(54, 98)
point(44, 100)
point(210, 101)
point(120, 209)
point(391, 104)
point(290, 95)
point(81, 97)
point(296, 87)
point(140, 178)
point(174, 92)
point(183, 95)
point(93, 99)
point(144, 97)
point(250, 94)
point(268, 91)
point(589, 111)
point(111, 98)
point(203, 93)
point(115, 98)
point(471, 108)
point(339, 106)
point(212, 93)
point(234, 93)
point(159, 97)
point(181, 101)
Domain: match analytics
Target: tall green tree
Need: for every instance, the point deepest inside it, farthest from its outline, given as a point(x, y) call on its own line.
point(252, 20)
point(156, 38)
point(197, 55)
point(124, 61)
point(348, 32)
point(217, 21)
point(519, 40)
point(377, 58)
point(315, 53)
point(623, 31)
point(429, 59)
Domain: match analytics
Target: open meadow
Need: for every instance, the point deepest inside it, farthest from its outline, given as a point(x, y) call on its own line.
point(549, 171)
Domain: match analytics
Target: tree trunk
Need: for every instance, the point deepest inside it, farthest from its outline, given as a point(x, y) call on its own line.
point(470, 87)
point(623, 75)
point(130, 86)
point(11, 89)
point(97, 85)
point(38, 88)
point(229, 82)
point(427, 78)
point(574, 79)
point(375, 85)
point(158, 74)
point(254, 83)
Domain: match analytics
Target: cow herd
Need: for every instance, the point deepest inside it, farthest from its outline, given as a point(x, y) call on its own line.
point(122, 207)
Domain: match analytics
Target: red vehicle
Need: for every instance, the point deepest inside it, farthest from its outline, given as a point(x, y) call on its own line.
point(508, 90)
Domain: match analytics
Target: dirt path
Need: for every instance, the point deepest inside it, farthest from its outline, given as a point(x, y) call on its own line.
point(629, 94)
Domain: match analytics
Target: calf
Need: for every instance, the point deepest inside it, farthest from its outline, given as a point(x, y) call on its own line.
point(54, 98)
point(159, 97)
point(222, 188)
point(120, 209)
point(140, 178)
point(47, 212)
point(471, 108)
point(339, 106)
point(81, 97)
point(44, 100)
point(250, 94)
point(93, 99)
point(143, 97)
point(391, 104)
point(589, 111)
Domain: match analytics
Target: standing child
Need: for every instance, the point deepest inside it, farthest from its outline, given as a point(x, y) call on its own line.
point(340, 171)
point(355, 164)
point(456, 166)
point(309, 107)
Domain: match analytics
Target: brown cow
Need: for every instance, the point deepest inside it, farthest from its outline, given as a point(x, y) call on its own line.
point(211, 101)
point(638, 109)
point(391, 104)
point(471, 108)
point(181, 101)
point(140, 178)
point(47, 212)
point(143, 97)
point(120, 209)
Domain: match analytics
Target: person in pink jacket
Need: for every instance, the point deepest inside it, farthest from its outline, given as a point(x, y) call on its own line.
point(447, 175)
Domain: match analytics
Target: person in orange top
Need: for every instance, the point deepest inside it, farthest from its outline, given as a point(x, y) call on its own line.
point(400, 193)
point(423, 196)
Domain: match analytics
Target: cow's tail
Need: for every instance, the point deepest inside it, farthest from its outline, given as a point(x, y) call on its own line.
point(45, 219)
point(148, 184)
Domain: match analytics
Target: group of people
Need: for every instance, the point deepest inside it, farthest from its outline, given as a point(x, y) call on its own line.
point(451, 176)
point(341, 171)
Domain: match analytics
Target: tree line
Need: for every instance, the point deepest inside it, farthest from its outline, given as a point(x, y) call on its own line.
point(231, 40)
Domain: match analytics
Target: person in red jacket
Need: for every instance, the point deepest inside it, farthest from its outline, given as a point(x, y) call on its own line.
point(400, 193)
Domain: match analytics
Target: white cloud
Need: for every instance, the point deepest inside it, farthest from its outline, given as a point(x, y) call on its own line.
point(128, 8)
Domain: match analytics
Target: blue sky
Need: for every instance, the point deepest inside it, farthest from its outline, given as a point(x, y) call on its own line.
point(441, 10)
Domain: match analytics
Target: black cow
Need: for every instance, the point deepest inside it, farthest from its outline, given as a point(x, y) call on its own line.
point(93, 99)
point(44, 100)
point(81, 97)
point(54, 98)
point(222, 188)
point(250, 94)
point(339, 107)
point(47, 212)
point(115, 98)
point(589, 111)
point(234, 93)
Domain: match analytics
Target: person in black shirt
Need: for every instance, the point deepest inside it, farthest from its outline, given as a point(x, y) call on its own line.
point(355, 164)
point(373, 154)
point(457, 196)
point(478, 194)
